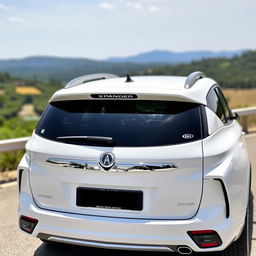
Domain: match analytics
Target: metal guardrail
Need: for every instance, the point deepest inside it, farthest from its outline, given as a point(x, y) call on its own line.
point(13, 144)
point(244, 113)
point(19, 143)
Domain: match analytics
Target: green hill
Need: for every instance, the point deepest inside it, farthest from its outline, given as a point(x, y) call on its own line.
point(237, 72)
point(64, 69)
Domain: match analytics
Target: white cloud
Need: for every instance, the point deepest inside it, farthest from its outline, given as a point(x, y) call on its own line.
point(153, 8)
point(138, 6)
point(15, 19)
point(106, 6)
point(5, 7)
point(141, 7)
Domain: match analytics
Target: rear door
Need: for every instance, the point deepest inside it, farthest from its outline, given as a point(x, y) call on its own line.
point(154, 158)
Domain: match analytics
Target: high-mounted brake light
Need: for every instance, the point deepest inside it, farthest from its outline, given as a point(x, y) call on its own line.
point(28, 224)
point(205, 238)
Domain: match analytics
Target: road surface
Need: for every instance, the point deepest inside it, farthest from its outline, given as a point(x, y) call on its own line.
point(13, 243)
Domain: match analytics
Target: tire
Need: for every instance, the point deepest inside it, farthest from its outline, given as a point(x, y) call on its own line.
point(242, 246)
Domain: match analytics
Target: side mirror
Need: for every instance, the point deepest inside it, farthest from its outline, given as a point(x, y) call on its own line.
point(234, 116)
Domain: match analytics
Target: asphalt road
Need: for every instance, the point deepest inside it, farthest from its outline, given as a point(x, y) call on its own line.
point(13, 243)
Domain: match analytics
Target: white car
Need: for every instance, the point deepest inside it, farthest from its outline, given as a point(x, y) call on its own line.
point(145, 163)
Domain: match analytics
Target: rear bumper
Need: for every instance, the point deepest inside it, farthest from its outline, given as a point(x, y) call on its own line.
point(129, 234)
point(137, 234)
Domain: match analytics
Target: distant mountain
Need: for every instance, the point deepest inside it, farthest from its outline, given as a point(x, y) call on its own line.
point(63, 69)
point(174, 57)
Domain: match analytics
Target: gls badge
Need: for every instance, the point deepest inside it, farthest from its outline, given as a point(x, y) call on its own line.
point(107, 160)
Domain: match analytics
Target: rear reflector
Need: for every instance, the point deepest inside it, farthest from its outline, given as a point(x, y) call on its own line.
point(28, 224)
point(205, 238)
point(20, 171)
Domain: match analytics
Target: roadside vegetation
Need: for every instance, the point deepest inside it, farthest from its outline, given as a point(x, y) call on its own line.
point(17, 96)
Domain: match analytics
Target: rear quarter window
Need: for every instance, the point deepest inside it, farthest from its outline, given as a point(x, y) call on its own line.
point(214, 103)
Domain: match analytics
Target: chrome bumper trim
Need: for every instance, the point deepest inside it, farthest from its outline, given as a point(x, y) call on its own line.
point(132, 247)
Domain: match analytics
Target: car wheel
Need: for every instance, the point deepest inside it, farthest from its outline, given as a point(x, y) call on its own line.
point(241, 247)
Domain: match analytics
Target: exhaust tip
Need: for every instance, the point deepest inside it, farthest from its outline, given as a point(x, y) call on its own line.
point(184, 250)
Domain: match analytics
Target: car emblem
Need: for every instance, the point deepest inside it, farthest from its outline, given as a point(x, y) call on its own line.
point(107, 160)
point(187, 136)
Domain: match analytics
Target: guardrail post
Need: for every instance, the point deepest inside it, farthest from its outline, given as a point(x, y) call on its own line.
point(245, 122)
point(244, 113)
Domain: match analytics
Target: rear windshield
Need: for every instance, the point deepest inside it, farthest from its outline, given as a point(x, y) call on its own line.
point(130, 123)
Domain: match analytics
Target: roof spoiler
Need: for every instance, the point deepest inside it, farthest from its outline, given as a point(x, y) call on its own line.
point(193, 78)
point(88, 78)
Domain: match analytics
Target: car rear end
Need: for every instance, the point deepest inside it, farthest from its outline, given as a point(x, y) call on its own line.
point(119, 171)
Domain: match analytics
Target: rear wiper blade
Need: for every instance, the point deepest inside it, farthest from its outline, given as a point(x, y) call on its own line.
point(108, 140)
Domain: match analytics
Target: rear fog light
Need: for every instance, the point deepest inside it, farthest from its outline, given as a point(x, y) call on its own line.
point(205, 238)
point(28, 224)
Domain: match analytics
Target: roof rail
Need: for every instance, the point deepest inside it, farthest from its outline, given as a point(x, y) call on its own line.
point(88, 78)
point(193, 78)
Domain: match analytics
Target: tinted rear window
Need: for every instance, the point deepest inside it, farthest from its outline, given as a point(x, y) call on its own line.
point(133, 123)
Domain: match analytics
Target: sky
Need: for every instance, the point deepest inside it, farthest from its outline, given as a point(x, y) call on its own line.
point(100, 29)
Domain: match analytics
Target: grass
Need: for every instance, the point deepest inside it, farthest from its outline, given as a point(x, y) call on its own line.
point(27, 90)
point(2, 92)
point(239, 98)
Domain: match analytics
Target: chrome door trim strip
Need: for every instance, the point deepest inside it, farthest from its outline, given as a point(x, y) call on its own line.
point(118, 166)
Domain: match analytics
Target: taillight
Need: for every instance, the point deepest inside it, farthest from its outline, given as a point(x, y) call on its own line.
point(205, 238)
point(28, 224)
